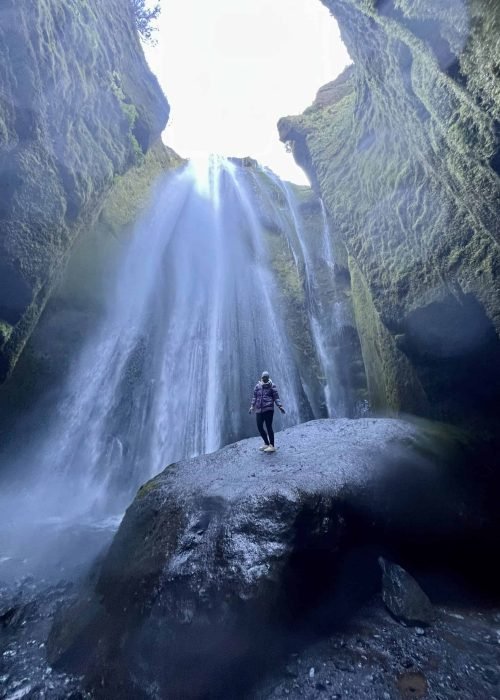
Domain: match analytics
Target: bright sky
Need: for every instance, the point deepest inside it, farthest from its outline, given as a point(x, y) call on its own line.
point(232, 68)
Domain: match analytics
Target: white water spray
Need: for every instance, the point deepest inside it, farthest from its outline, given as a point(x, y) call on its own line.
point(194, 319)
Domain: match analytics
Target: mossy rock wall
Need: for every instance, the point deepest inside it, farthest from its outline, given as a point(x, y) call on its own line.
point(392, 381)
point(78, 106)
point(85, 281)
point(404, 150)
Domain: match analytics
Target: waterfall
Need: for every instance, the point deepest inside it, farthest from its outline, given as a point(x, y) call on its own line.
point(194, 318)
point(324, 319)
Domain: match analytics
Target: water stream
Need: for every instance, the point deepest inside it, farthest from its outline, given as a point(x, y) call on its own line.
point(310, 254)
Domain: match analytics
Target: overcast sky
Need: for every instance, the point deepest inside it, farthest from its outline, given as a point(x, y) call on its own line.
point(232, 68)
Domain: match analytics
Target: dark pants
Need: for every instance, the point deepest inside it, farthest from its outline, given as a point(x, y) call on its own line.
point(267, 418)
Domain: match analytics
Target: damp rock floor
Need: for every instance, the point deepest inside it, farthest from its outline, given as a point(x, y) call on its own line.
point(27, 610)
point(377, 658)
point(372, 656)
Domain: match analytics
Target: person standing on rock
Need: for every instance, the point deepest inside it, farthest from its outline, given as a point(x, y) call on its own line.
point(265, 395)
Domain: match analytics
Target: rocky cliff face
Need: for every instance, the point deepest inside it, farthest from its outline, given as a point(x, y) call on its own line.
point(404, 149)
point(78, 106)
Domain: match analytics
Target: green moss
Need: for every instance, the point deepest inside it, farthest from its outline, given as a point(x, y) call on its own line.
point(130, 112)
point(4, 132)
point(392, 382)
point(443, 438)
point(148, 487)
point(85, 284)
point(137, 150)
point(282, 261)
point(90, 108)
point(290, 279)
point(5, 332)
point(131, 192)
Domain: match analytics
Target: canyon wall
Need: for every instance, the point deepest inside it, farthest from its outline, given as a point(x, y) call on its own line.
point(404, 149)
point(78, 107)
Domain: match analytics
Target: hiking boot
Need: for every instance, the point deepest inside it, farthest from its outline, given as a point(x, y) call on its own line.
point(270, 448)
point(263, 447)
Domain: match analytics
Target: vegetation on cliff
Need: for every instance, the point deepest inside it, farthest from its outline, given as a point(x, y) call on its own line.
point(404, 150)
point(145, 17)
point(76, 110)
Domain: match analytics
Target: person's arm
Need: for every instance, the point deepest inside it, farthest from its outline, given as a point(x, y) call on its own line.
point(254, 399)
point(276, 398)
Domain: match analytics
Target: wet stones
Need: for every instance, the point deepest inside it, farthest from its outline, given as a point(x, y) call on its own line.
point(28, 607)
point(403, 596)
point(8, 614)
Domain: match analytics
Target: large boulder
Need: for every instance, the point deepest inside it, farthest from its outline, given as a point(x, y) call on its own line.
point(220, 557)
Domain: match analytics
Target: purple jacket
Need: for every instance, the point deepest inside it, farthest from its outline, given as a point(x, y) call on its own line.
point(264, 396)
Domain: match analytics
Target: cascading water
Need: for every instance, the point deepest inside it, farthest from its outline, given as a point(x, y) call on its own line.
point(200, 307)
point(330, 322)
point(324, 319)
point(194, 320)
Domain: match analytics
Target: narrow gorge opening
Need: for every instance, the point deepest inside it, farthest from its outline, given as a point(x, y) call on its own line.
point(252, 63)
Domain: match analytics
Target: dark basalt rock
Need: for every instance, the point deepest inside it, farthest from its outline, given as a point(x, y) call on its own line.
point(403, 596)
point(223, 557)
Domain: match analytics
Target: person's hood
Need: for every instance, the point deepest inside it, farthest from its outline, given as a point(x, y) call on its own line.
point(269, 383)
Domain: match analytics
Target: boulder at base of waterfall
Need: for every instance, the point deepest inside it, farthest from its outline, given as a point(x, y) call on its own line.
point(223, 557)
point(403, 596)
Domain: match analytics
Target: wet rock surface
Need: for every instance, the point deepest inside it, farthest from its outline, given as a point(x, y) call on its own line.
point(79, 107)
point(402, 595)
point(221, 559)
point(43, 578)
point(371, 656)
point(27, 608)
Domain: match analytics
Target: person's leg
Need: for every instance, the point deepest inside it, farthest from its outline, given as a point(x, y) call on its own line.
point(268, 418)
point(260, 427)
